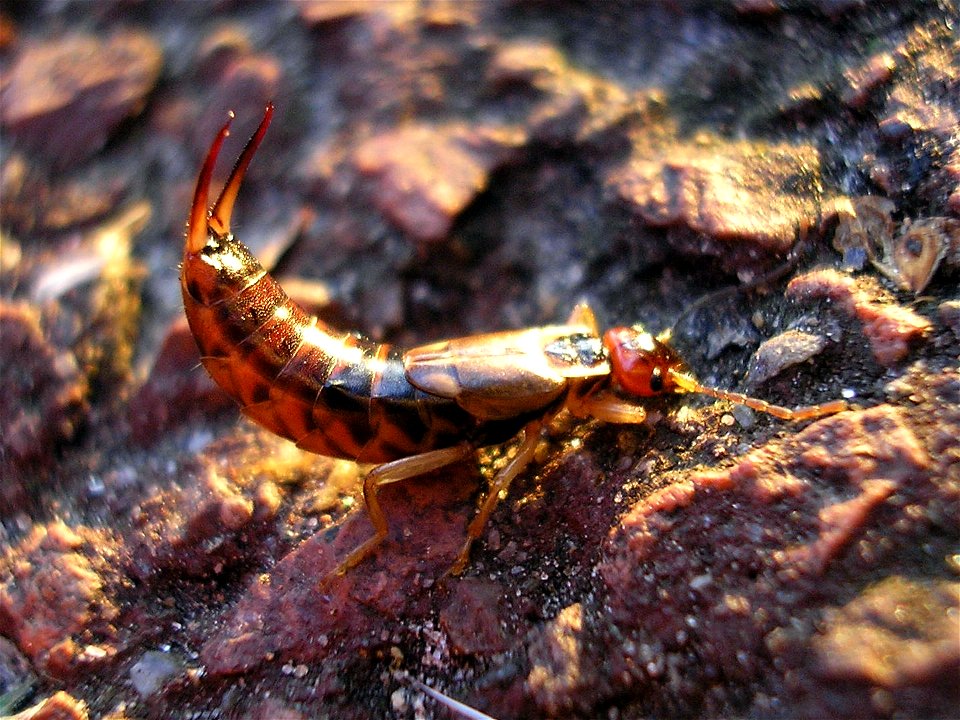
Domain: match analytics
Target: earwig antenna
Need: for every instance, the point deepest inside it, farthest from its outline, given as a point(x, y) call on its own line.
point(690, 385)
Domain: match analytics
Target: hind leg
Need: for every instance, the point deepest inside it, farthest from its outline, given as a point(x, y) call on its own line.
point(391, 472)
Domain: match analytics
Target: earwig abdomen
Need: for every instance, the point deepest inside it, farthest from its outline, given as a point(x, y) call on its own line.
point(333, 393)
point(336, 394)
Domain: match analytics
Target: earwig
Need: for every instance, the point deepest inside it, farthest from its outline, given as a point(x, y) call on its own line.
point(341, 394)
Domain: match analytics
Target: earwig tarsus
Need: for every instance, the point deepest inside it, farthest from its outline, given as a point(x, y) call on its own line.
point(341, 394)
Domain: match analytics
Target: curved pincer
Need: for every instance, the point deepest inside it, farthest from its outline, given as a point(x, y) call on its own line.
point(223, 208)
point(218, 218)
point(197, 225)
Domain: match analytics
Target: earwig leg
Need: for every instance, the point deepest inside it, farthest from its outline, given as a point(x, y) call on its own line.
point(606, 407)
point(498, 487)
point(391, 472)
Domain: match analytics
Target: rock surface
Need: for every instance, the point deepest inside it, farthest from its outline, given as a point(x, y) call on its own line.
point(778, 182)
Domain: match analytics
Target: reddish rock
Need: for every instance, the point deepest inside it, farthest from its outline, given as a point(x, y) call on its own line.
point(893, 452)
point(176, 389)
point(34, 204)
point(471, 617)
point(909, 113)
point(892, 329)
point(708, 566)
point(899, 632)
point(757, 7)
point(278, 617)
point(274, 709)
point(223, 45)
point(59, 706)
point(949, 314)
point(538, 64)
point(323, 12)
point(737, 200)
point(573, 106)
point(953, 202)
point(51, 590)
point(8, 32)
point(207, 524)
point(295, 612)
point(426, 175)
point(556, 657)
point(64, 97)
point(839, 524)
point(891, 650)
point(42, 391)
point(865, 80)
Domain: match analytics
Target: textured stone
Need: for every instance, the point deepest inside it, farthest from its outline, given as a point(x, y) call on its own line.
point(892, 329)
point(43, 393)
point(735, 199)
point(65, 97)
point(426, 175)
point(50, 591)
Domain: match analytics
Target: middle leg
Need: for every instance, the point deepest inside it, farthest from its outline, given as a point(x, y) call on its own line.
point(499, 486)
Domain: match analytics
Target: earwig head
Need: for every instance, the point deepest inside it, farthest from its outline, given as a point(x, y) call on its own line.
point(218, 219)
point(641, 364)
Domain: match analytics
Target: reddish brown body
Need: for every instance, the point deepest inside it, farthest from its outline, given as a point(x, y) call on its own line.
point(340, 394)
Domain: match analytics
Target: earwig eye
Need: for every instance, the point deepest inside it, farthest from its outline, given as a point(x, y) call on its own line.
point(656, 380)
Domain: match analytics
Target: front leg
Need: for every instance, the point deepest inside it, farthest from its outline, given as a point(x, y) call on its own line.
point(601, 403)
